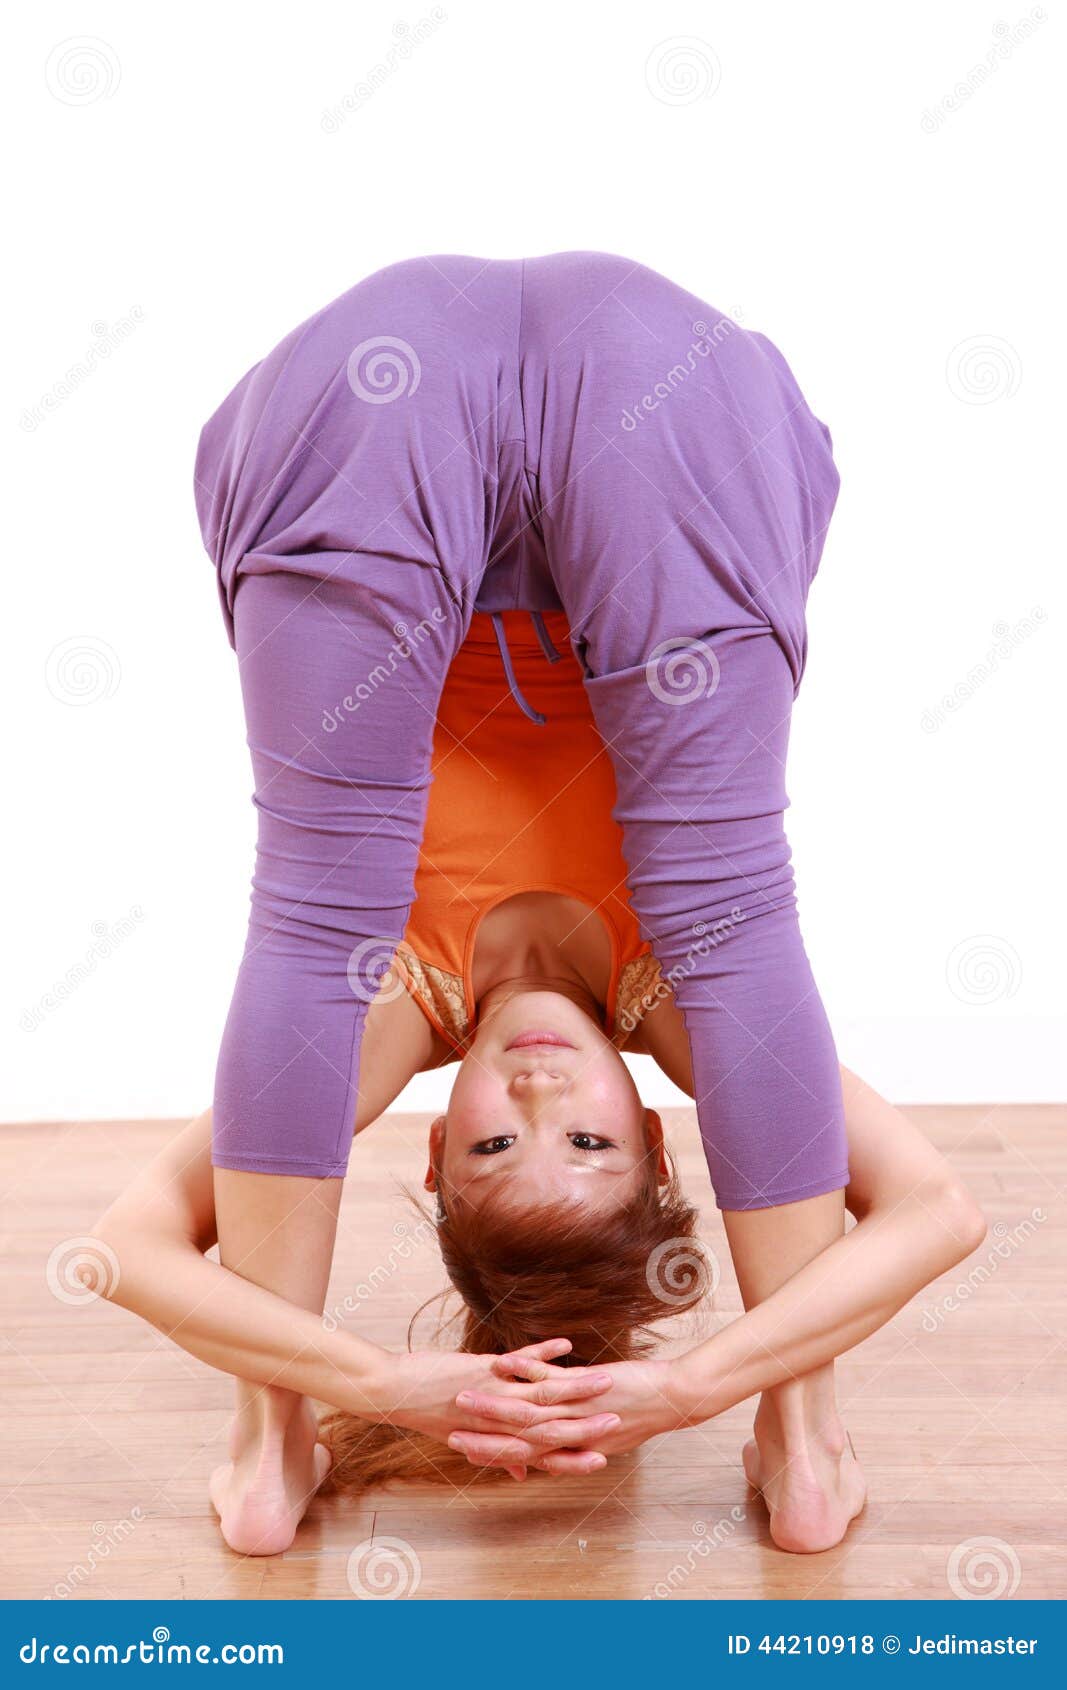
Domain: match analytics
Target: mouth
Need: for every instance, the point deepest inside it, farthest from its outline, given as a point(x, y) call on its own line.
point(538, 1039)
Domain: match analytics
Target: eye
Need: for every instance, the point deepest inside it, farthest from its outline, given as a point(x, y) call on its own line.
point(588, 1141)
point(492, 1146)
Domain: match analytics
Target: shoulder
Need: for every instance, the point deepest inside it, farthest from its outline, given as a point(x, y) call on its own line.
point(648, 1022)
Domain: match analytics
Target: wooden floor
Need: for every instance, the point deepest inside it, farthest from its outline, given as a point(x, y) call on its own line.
point(957, 1415)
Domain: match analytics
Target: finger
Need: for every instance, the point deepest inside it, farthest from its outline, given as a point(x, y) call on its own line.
point(493, 1448)
point(520, 1366)
point(572, 1463)
point(570, 1434)
point(523, 1407)
point(496, 1414)
point(485, 1449)
point(518, 1473)
point(568, 1385)
point(547, 1349)
point(535, 1356)
point(531, 1370)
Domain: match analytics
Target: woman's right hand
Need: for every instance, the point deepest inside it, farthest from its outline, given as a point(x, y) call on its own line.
point(419, 1389)
point(648, 1397)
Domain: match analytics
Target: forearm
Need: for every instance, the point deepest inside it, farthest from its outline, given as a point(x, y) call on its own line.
point(236, 1326)
point(847, 1292)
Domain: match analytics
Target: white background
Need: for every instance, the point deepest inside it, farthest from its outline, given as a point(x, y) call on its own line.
point(190, 184)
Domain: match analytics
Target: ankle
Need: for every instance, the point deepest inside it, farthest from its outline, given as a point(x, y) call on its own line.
point(801, 1419)
point(265, 1417)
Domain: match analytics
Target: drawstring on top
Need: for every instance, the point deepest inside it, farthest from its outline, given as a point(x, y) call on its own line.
point(547, 647)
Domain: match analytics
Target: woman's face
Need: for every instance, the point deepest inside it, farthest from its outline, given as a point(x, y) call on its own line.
point(543, 1098)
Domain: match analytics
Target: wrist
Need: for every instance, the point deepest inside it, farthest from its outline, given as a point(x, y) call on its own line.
point(371, 1381)
point(692, 1388)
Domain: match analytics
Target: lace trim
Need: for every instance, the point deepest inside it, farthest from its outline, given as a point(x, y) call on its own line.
point(639, 988)
point(440, 993)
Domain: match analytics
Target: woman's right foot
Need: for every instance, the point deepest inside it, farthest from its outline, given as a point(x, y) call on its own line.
point(813, 1488)
point(262, 1493)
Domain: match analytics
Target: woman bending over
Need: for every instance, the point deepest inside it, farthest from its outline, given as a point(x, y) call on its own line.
point(452, 444)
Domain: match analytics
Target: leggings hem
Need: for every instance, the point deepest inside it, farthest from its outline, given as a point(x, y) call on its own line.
point(295, 1167)
point(795, 1194)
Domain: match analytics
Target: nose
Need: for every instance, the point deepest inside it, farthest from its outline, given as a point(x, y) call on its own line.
point(534, 1083)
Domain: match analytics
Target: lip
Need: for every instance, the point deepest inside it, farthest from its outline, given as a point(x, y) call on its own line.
point(539, 1039)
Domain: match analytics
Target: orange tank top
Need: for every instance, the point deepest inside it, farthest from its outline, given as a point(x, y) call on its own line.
point(517, 805)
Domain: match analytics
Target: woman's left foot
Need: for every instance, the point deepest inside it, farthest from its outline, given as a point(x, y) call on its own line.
point(262, 1494)
point(813, 1490)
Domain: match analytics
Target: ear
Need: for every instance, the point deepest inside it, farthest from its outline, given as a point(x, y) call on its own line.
point(654, 1132)
point(437, 1145)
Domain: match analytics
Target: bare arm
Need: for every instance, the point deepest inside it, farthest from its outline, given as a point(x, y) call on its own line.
point(915, 1217)
point(163, 1223)
point(160, 1227)
point(915, 1221)
point(158, 1231)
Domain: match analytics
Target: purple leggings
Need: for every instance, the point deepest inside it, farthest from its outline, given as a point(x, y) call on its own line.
point(572, 433)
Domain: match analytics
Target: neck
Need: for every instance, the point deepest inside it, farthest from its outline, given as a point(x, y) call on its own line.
point(542, 942)
point(506, 990)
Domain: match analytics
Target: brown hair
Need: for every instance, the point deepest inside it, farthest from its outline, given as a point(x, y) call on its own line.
point(529, 1273)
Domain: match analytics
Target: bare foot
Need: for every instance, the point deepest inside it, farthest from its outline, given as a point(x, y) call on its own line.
point(262, 1493)
point(813, 1489)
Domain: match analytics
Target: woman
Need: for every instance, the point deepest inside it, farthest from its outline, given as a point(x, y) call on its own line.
point(574, 437)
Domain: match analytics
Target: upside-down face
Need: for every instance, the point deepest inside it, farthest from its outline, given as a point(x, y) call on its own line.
point(545, 1099)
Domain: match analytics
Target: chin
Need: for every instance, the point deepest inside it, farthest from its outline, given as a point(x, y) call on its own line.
point(557, 1011)
point(543, 1010)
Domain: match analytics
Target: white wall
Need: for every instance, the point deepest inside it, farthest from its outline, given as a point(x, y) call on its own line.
point(183, 204)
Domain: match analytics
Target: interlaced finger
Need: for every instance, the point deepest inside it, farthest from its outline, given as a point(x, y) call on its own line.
point(569, 1463)
point(525, 1404)
point(490, 1449)
point(534, 1361)
point(485, 1450)
point(571, 1434)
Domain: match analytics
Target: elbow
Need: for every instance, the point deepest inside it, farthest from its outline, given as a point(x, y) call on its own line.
point(960, 1222)
point(107, 1261)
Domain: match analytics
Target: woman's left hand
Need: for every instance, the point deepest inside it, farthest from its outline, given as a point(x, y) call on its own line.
point(648, 1396)
point(425, 1391)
